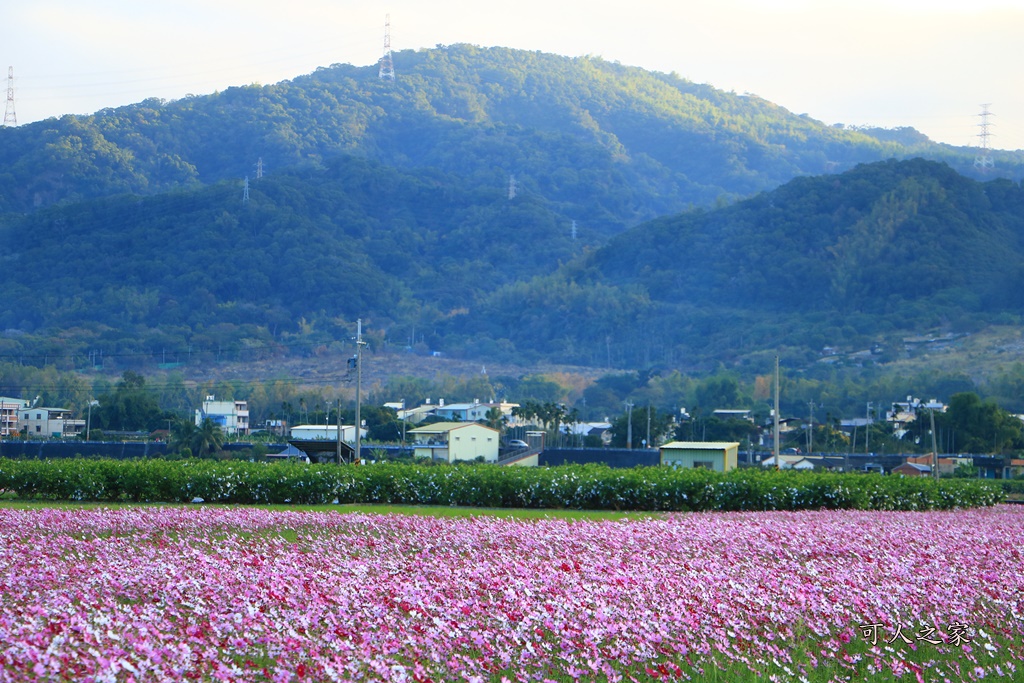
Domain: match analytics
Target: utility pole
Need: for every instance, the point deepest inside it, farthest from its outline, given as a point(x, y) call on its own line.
point(88, 421)
point(846, 455)
point(935, 447)
point(648, 425)
point(776, 413)
point(338, 434)
point(359, 382)
point(810, 432)
point(629, 425)
point(404, 416)
point(867, 429)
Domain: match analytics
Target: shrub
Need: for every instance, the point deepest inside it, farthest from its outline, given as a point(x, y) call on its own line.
point(595, 487)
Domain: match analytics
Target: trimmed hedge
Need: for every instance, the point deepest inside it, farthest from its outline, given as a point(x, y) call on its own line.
point(1012, 486)
point(592, 487)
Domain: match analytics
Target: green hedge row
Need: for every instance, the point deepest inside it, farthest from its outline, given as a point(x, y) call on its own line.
point(1012, 485)
point(593, 487)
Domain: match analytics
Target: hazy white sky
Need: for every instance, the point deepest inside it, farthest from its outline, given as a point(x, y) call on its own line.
point(929, 64)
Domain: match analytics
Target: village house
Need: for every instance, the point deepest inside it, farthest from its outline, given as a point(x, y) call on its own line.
point(49, 423)
point(452, 441)
point(231, 416)
point(912, 469)
point(9, 409)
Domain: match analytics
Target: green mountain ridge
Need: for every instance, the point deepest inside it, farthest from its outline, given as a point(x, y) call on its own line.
point(833, 260)
point(126, 232)
point(613, 145)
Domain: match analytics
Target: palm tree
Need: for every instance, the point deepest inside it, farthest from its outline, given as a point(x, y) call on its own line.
point(208, 438)
point(495, 419)
point(182, 434)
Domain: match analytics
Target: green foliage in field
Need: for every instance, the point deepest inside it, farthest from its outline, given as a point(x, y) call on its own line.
point(590, 487)
point(1015, 486)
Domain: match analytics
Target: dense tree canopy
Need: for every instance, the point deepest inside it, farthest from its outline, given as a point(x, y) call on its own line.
point(126, 234)
point(131, 406)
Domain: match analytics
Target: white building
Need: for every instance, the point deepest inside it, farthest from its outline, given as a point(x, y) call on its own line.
point(791, 462)
point(9, 409)
point(454, 412)
point(49, 423)
point(325, 432)
point(472, 412)
point(230, 416)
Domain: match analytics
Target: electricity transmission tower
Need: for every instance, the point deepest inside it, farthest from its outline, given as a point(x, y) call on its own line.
point(983, 162)
point(387, 67)
point(10, 119)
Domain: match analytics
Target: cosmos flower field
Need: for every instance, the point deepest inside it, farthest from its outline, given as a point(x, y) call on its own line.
point(245, 594)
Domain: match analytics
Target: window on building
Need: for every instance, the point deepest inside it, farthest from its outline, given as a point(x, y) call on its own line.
point(703, 464)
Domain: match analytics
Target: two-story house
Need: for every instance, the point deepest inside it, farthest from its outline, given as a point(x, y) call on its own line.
point(231, 416)
point(47, 423)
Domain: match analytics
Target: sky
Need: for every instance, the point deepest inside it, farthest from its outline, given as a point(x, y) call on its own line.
point(929, 64)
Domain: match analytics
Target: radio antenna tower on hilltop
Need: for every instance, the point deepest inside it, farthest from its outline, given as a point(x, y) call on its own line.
point(387, 67)
point(983, 162)
point(10, 119)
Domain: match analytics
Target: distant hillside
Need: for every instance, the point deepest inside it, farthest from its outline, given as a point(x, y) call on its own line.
point(834, 260)
point(309, 252)
point(609, 145)
point(847, 260)
point(624, 241)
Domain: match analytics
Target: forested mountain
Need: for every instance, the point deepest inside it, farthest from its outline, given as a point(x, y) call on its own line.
point(126, 232)
point(610, 145)
point(306, 254)
point(844, 260)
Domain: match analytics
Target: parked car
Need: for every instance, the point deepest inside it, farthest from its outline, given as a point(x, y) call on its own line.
point(517, 444)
